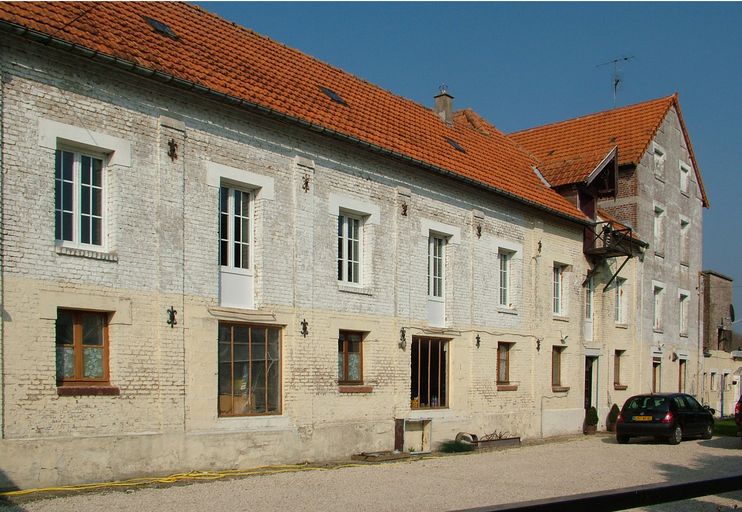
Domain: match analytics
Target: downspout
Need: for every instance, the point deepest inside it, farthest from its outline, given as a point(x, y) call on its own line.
point(183, 277)
point(2, 251)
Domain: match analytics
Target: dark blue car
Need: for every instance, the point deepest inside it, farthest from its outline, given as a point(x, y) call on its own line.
point(670, 416)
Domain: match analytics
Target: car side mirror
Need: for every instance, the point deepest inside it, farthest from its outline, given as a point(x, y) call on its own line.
point(709, 409)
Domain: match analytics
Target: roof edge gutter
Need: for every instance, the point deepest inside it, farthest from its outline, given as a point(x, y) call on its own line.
point(166, 78)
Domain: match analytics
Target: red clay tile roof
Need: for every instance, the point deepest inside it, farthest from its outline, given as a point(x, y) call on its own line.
point(224, 57)
point(568, 151)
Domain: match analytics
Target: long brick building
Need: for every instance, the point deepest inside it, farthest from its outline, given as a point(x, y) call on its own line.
point(220, 252)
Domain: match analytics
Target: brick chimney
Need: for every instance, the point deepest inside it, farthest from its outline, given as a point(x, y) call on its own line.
point(444, 105)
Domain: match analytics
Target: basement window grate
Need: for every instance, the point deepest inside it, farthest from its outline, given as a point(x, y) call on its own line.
point(455, 145)
point(161, 27)
point(333, 95)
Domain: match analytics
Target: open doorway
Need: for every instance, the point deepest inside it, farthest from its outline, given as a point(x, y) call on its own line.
point(591, 368)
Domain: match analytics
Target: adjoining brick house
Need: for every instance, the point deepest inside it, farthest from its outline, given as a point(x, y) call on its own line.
point(720, 378)
point(220, 252)
point(641, 162)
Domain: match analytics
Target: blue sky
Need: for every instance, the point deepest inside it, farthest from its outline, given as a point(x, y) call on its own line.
point(526, 64)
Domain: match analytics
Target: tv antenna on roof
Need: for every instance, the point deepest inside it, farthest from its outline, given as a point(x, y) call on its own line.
point(617, 78)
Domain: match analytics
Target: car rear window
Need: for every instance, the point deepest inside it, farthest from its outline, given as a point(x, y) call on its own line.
point(647, 403)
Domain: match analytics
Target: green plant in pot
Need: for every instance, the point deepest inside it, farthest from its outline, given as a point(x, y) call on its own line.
point(591, 421)
point(613, 417)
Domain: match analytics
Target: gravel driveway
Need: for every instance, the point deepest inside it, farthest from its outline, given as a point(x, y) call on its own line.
point(568, 466)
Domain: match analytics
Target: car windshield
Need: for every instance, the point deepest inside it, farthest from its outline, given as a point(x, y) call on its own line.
point(647, 403)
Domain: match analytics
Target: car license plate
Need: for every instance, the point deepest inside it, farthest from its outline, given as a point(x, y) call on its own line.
point(642, 418)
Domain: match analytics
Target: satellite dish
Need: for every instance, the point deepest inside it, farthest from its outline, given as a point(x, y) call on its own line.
point(731, 312)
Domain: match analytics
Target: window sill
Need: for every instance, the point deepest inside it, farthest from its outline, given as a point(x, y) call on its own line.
point(620, 387)
point(507, 311)
point(622, 326)
point(354, 388)
point(683, 334)
point(560, 318)
point(90, 390)
point(359, 290)
point(560, 389)
point(686, 194)
point(657, 331)
point(86, 253)
point(659, 177)
point(507, 387)
point(660, 254)
point(684, 264)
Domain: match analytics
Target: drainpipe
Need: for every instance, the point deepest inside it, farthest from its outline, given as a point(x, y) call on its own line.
point(2, 258)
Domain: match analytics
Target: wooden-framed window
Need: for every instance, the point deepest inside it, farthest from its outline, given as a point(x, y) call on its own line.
point(82, 347)
point(619, 314)
point(659, 161)
point(617, 380)
point(429, 371)
point(683, 311)
point(659, 298)
point(556, 367)
point(684, 177)
point(234, 228)
point(350, 246)
point(78, 198)
point(589, 298)
point(503, 362)
point(558, 290)
point(350, 357)
point(505, 260)
point(659, 230)
point(249, 369)
point(684, 241)
point(436, 264)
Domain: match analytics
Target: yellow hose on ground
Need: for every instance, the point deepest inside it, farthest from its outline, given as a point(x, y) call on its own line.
point(204, 475)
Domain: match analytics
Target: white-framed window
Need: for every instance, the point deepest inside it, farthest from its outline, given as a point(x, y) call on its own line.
point(684, 240)
point(235, 228)
point(659, 297)
point(558, 306)
point(589, 297)
point(683, 301)
point(350, 246)
point(78, 198)
point(619, 303)
point(659, 158)
point(505, 258)
point(436, 265)
point(684, 177)
point(659, 230)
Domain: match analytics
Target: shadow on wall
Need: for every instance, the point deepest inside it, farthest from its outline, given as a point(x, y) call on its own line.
point(6, 503)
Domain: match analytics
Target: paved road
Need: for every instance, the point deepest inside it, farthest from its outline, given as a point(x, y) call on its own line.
point(570, 466)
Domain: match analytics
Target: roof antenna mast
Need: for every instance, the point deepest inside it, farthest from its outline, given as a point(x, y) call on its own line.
point(617, 78)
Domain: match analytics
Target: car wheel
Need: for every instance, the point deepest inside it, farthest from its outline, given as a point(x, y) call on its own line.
point(708, 433)
point(622, 439)
point(676, 436)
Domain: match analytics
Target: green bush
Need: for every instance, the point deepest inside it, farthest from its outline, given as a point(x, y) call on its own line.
point(613, 414)
point(592, 417)
point(456, 446)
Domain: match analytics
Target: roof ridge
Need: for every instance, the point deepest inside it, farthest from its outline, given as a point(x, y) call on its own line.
point(308, 56)
point(669, 99)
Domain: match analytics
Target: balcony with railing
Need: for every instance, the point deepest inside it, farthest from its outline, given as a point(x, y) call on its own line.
point(609, 239)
